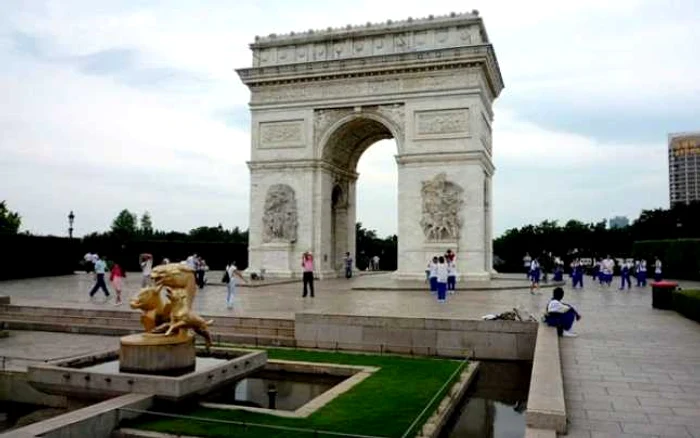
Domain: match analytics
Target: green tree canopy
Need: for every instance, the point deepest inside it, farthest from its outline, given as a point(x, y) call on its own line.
point(125, 224)
point(10, 221)
point(146, 224)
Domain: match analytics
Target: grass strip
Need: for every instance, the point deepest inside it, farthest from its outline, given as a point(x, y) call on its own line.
point(385, 404)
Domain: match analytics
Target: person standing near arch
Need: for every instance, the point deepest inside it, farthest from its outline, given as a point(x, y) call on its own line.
point(307, 266)
point(347, 262)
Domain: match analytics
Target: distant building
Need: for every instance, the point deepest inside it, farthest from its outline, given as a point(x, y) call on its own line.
point(684, 167)
point(618, 222)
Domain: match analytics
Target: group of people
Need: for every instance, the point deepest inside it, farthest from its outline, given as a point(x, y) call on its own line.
point(603, 270)
point(117, 273)
point(441, 274)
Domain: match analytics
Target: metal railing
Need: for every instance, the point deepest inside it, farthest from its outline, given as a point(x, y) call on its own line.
point(245, 424)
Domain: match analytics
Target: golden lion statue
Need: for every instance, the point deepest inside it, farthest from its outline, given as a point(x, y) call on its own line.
point(156, 310)
point(180, 288)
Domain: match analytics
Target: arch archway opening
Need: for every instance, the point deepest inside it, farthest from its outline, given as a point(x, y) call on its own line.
point(364, 208)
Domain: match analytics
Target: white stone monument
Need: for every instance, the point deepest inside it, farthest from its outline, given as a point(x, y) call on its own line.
point(319, 99)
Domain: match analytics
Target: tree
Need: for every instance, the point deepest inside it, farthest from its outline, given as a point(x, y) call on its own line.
point(146, 224)
point(9, 220)
point(124, 225)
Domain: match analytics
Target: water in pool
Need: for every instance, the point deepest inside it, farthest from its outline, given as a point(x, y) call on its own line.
point(494, 406)
point(293, 390)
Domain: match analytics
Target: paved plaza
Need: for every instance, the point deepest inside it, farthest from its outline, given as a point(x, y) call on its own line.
point(633, 372)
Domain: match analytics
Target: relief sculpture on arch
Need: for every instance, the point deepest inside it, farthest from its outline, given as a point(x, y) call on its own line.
point(280, 215)
point(441, 206)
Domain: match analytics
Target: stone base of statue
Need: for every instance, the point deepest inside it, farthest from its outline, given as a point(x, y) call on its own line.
point(157, 354)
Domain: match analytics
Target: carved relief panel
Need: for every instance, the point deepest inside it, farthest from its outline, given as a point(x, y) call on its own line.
point(280, 214)
point(441, 206)
point(439, 123)
point(281, 134)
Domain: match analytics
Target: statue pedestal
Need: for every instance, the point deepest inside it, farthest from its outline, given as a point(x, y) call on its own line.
point(157, 354)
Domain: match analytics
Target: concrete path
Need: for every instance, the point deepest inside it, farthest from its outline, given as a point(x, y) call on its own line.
point(633, 372)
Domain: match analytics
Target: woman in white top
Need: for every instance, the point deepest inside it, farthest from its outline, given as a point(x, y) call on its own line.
point(146, 267)
point(441, 278)
point(657, 269)
point(233, 276)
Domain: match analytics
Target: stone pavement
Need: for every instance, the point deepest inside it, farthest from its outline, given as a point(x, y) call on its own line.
point(633, 372)
point(24, 348)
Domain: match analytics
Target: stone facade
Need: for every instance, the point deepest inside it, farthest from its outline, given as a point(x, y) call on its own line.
point(319, 99)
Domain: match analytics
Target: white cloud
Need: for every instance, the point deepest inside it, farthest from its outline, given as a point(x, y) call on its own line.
point(67, 135)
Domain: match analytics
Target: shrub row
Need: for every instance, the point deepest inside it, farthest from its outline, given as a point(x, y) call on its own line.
point(687, 303)
point(24, 256)
point(680, 257)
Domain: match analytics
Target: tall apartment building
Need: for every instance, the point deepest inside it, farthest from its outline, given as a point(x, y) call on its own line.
point(684, 167)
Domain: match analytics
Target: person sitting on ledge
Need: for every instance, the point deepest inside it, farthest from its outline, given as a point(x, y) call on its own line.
point(561, 315)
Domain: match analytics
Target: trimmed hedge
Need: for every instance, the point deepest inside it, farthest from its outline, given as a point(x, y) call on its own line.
point(217, 255)
point(687, 303)
point(25, 256)
point(680, 257)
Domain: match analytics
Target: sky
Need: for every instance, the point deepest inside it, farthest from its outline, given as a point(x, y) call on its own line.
point(136, 104)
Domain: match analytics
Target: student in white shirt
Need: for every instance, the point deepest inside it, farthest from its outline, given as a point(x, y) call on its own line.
point(433, 274)
point(608, 267)
point(441, 277)
point(534, 275)
point(642, 274)
point(657, 269)
point(451, 275)
point(560, 314)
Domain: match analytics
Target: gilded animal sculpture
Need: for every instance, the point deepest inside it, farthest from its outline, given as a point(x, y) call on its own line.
point(156, 310)
point(183, 318)
point(180, 288)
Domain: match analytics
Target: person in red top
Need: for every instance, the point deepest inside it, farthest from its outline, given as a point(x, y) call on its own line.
point(116, 276)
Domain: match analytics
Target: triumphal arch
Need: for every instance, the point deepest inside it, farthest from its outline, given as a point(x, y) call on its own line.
point(319, 99)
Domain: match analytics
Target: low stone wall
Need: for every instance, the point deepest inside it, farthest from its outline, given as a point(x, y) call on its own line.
point(545, 404)
point(96, 421)
point(15, 387)
point(477, 339)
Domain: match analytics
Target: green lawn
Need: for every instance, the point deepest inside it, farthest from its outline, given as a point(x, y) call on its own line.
point(385, 404)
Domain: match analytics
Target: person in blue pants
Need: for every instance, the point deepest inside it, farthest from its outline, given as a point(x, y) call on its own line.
point(625, 275)
point(577, 274)
point(560, 314)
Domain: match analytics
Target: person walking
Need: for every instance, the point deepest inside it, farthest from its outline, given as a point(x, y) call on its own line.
point(347, 262)
point(534, 275)
point(625, 273)
point(117, 276)
point(657, 269)
point(441, 271)
point(146, 267)
point(642, 274)
point(307, 265)
point(451, 273)
point(527, 261)
point(100, 268)
point(232, 275)
point(577, 274)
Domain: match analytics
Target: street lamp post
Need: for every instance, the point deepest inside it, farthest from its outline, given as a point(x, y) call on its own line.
point(71, 218)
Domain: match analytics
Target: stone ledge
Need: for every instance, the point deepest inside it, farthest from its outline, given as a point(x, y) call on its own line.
point(98, 420)
point(546, 408)
point(539, 433)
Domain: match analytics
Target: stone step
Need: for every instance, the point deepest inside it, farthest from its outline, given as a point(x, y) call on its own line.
point(128, 319)
point(217, 335)
point(220, 324)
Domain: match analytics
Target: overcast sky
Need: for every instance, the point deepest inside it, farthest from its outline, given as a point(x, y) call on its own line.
point(135, 104)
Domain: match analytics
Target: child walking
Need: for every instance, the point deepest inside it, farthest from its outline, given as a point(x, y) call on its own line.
point(117, 276)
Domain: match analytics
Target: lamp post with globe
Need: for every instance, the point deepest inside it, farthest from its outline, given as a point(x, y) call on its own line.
point(71, 218)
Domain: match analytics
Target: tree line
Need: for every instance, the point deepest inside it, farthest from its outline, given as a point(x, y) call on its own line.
point(595, 239)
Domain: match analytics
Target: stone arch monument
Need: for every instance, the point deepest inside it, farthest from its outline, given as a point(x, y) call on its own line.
point(319, 99)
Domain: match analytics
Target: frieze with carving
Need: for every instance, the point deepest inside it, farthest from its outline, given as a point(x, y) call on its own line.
point(280, 219)
point(282, 133)
point(358, 87)
point(442, 122)
point(442, 203)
